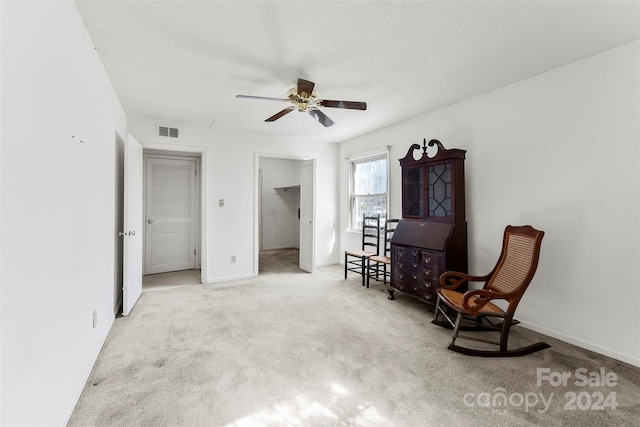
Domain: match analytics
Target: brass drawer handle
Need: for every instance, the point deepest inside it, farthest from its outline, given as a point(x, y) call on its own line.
point(427, 272)
point(427, 260)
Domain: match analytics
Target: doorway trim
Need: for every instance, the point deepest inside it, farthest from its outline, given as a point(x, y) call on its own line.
point(188, 151)
point(256, 200)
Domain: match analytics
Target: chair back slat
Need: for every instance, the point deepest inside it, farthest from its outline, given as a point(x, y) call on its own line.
point(389, 228)
point(371, 233)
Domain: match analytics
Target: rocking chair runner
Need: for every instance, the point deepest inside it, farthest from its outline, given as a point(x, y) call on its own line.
point(507, 281)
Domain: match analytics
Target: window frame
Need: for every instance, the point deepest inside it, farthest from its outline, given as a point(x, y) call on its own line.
point(369, 156)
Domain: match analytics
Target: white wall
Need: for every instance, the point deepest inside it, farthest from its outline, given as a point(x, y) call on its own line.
point(230, 172)
point(60, 122)
point(279, 213)
point(559, 151)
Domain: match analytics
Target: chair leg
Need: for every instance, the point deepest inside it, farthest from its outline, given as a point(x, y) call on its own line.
point(368, 270)
point(437, 310)
point(456, 328)
point(345, 266)
point(363, 267)
point(504, 332)
point(441, 318)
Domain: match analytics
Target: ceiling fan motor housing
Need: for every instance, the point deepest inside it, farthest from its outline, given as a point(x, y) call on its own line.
point(303, 101)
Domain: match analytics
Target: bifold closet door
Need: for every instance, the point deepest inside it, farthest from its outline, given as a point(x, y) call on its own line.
point(170, 215)
point(307, 176)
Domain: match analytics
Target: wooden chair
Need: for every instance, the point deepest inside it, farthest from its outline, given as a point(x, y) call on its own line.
point(356, 261)
point(507, 281)
point(381, 266)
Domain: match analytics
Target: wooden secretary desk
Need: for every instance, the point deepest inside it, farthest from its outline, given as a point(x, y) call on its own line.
point(431, 238)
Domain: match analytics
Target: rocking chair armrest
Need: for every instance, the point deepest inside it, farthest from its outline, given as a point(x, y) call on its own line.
point(479, 298)
point(453, 279)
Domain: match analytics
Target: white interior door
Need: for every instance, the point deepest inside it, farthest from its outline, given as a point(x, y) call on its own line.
point(133, 217)
point(171, 215)
point(307, 228)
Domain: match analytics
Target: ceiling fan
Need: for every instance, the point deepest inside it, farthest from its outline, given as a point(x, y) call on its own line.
point(305, 99)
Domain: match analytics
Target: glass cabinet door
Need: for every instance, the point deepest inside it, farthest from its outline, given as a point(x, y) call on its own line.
point(439, 190)
point(413, 198)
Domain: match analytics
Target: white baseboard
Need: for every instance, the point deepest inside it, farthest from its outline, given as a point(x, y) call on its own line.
point(589, 345)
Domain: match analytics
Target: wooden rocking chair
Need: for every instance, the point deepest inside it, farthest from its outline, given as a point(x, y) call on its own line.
point(507, 281)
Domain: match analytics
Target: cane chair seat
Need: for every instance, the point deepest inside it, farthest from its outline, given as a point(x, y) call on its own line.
point(454, 300)
point(380, 258)
point(359, 253)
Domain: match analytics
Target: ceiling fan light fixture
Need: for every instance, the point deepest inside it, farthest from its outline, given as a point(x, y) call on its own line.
point(305, 99)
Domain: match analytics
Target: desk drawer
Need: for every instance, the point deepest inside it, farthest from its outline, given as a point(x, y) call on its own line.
point(409, 285)
point(404, 254)
point(432, 259)
point(431, 276)
point(410, 277)
point(414, 288)
point(407, 266)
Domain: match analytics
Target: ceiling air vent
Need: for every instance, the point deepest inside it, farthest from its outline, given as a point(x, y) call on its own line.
point(168, 131)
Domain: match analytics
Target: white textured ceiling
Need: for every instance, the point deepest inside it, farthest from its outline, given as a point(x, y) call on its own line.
point(184, 61)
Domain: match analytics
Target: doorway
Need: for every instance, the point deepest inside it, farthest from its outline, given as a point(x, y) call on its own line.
point(280, 191)
point(172, 205)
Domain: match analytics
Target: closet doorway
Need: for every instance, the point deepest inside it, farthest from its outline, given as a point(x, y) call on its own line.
point(280, 217)
point(171, 212)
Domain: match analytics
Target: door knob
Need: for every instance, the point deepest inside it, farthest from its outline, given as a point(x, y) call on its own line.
point(150, 221)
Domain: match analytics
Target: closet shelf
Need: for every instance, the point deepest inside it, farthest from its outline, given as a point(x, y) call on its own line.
point(288, 188)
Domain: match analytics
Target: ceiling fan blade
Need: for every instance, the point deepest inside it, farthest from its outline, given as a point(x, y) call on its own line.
point(352, 105)
point(321, 117)
point(306, 87)
point(264, 98)
point(280, 114)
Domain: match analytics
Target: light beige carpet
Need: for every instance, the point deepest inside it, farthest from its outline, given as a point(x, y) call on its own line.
point(163, 281)
point(297, 349)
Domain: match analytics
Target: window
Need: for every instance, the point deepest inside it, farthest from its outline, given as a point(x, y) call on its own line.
point(368, 193)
